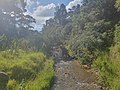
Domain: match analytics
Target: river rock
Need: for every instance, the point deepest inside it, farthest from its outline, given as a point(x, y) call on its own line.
point(3, 80)
point(70, 75)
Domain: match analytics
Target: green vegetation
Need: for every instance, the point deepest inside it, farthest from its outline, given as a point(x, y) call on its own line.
point(106, 71)
point(89, 33)
point(83, 30)
point(20, 46)
point(108, 64)
point(44, 80)
point(26, 70)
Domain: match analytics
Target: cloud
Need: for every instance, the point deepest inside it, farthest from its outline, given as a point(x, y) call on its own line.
point(43, 13)
point(31, 5)
point(73, 3)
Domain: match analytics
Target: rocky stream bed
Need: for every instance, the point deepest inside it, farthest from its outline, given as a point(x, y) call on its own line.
point(70, 75)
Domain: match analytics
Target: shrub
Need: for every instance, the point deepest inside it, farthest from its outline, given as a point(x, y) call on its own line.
point(12, 84)
point(19, 73)
point(30, 67)
point(44, 80)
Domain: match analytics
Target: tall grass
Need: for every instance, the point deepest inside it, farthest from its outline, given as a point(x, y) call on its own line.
point(25, 68)
point(44, 80)
point(108, 66)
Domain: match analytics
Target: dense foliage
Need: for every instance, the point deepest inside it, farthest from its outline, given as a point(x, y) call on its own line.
point(25, 69)
point(19, 46)
point(16, 30)
point(89, 32)
point(83, 29)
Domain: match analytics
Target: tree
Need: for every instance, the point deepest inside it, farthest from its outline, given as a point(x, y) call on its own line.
point(12, 15)
point(61, 14)
point(15, 24)
point(117, 4)
point(92, 29)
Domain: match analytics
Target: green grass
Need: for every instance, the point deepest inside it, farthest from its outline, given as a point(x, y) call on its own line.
point(28, 71)
point(44, 80)
point(108, 67)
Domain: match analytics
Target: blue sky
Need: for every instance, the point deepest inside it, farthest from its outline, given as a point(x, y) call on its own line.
point(43, 10)
point(46, 2)
point(54, 1)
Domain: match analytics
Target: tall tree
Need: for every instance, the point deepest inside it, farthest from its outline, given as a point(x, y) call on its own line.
point(61, 14)
point(13, 15)
point(15, 24)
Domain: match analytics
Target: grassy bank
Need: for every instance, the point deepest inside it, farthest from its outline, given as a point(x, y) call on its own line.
point(27, 71)
point(108, 64)
point(108, 67)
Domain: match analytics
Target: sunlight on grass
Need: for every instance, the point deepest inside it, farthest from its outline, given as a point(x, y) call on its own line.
point(32, 71)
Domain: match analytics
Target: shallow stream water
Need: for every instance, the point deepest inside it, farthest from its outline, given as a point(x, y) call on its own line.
point(71, 75)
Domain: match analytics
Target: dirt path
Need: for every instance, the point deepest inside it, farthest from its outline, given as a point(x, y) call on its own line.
point(71, 76)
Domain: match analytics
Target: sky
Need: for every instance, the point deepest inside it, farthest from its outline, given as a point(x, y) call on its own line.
point(43, 10)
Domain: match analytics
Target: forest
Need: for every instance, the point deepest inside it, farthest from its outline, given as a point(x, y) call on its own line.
point(88, 33)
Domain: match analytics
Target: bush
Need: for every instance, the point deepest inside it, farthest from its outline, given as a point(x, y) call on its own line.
point(44, 80)
point(107, 71)
point(28, 67)
point(12, 84)
point(19, 73)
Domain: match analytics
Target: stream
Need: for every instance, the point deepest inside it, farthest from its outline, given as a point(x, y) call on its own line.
point(70, 75)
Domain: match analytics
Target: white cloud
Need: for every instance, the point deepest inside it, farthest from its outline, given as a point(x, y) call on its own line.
point(73, 3)
point(30, 3)
point(43, 13)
